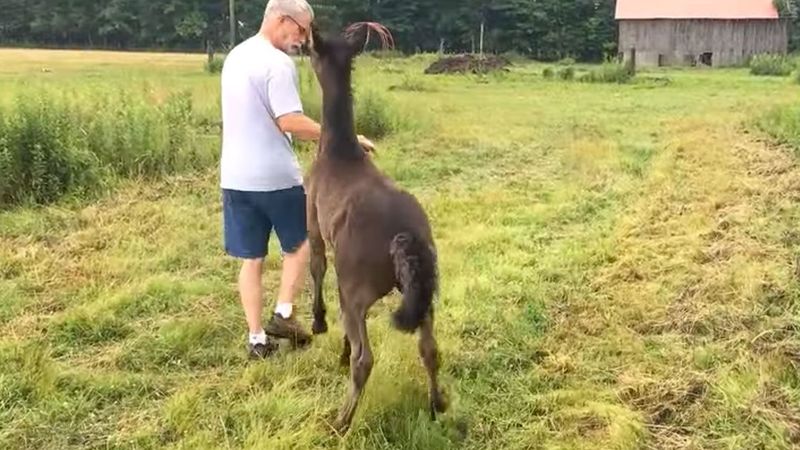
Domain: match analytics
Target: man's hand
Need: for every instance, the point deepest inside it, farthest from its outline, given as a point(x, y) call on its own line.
point(368, 146)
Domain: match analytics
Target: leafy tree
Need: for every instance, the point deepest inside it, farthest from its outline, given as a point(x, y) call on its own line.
point(544, 29)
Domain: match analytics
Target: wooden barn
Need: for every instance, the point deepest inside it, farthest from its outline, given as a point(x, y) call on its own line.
point(694, 32)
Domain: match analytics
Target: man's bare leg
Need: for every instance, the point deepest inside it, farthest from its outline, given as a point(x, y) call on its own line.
point(295, 266)
point(250, 291)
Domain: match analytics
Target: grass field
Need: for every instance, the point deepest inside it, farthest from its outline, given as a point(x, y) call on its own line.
point(618, 272)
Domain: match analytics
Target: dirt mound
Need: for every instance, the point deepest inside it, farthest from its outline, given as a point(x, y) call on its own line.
point(468, 63)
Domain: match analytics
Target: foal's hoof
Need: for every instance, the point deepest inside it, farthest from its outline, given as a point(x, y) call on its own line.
point(438, 405)
point(319, 327)
point(341, 427)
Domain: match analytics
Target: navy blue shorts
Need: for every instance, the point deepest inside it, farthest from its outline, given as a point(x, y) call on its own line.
point(250, 217)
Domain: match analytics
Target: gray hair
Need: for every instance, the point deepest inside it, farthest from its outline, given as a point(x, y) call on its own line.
point(291, 8)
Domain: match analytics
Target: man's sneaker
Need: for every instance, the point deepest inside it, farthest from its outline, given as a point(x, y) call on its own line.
point(279, 327)
point(261, 351)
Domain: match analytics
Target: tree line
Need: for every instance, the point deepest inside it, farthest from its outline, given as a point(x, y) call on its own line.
point(543, 29)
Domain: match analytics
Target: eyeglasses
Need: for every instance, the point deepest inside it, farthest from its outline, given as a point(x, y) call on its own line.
point(303, 30)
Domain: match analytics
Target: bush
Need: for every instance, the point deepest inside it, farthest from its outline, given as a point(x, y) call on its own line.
point(567, 73)
point(797, 77)
point(548, 73)
point(52, 145)
point(42, 154)
point(609, 73)
point(771, 65)
point(373, 115)
point(215, 64)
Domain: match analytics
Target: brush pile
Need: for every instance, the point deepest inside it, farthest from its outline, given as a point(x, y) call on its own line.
point(468, 64)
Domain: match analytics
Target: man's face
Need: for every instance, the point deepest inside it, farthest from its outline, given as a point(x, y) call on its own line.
point(294, 32)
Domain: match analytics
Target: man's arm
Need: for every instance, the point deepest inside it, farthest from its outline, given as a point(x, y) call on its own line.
point(284, 97)
point(307, 129)
point(300, 125)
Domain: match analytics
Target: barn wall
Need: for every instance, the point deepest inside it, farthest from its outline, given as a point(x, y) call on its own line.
point(676, 42)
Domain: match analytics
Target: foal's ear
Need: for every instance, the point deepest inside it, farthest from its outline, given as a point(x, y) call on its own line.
point(359, 34)
point(356, 38)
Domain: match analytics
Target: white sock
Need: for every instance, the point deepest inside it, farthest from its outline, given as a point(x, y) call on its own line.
point(284, 309)
point(258, 338)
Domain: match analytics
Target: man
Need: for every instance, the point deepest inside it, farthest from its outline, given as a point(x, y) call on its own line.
point(261, 181)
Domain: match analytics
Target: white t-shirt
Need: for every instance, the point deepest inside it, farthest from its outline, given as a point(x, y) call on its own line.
point(259, 84)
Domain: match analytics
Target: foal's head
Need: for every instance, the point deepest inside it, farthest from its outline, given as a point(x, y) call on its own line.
point(332, 56)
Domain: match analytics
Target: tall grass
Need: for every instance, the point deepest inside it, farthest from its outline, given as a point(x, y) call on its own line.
point(54, 144)
point(609, 72)
point(783, 125)
point(772, 65)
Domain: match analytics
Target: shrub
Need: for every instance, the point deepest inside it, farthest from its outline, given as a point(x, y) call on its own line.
point(374, 115)
point(771, 65)
point(567, 73)
point(42, 153)
point(609, 73)
point(214, 65)
point(548, 73)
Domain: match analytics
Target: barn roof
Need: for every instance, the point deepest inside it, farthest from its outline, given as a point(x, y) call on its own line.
point(696, 9)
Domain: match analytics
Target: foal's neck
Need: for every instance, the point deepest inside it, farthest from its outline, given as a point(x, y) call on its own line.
point(338, 125)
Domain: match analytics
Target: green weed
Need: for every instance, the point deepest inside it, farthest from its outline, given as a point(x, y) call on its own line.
point(772, 65)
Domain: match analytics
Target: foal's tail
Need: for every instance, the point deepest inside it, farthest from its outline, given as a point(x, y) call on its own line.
point(415, 268)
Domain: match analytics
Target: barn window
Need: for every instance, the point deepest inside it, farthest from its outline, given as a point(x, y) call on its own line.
point(706, 58)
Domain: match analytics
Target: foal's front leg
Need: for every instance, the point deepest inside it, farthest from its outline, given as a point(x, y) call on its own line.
point(318, 266)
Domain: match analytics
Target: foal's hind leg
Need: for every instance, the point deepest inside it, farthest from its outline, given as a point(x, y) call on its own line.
point(344, 358)
point(355, 325)
point(430, 358)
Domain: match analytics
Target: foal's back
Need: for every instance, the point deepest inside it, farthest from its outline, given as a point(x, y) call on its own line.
point(368, 197)
point(362, 211)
